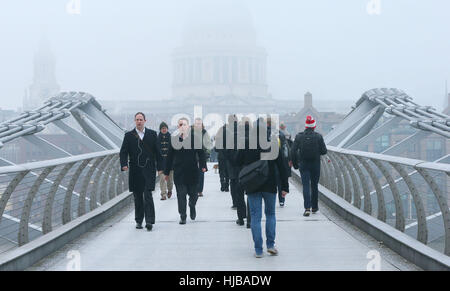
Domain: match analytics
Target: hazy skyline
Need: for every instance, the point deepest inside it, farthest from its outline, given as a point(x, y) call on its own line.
point(334, 49)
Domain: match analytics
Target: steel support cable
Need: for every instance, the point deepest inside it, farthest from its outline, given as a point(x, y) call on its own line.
point(26, 211)
point(356, 188)
point(364, 184)
point(87, 179)
point(335, 178)
point(399, 213)
point(381, 206)
point(107, 180)
point(67, 208)
point(422, 229)
point(442, 202)
point(347, 191)
point(93, 201)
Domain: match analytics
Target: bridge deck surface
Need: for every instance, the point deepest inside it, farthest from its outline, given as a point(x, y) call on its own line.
point(214, 242)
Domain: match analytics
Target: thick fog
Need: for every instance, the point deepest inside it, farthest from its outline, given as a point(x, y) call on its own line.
point(119, 50)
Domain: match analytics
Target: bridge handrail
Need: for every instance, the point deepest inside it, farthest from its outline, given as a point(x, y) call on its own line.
point(399, 160)
point(54, 162)
point(39, 196)
point(347, 173)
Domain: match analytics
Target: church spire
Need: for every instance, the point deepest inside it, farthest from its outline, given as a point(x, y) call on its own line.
point(44, 79)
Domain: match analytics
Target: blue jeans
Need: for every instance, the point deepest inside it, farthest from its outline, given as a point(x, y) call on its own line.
point(310, 174)
point(255, 203)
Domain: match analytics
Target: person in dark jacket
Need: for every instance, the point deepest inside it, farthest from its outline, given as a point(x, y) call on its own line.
point(266, 191)
point(206, 144)
point(220, 139)
point(287, 160)
point(185, 159)
point(141, 156)
point(306, 151)
point(226, 139)
point(163, 142)
point(237, 195)
point(240, 132)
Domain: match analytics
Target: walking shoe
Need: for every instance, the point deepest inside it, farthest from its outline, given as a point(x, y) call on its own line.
point(248, 225)
point(227, 189)
point(192, 212)
point(139, 226)
point(272, 251)
point(163, 198)
point(281, 204)
point(258, 256)
point(149, 227)
point(314, 211)
point(222, 189)
point(169, 194)
point(183, 221)
point(307, 212)
point(240, 222)
point(200, 194)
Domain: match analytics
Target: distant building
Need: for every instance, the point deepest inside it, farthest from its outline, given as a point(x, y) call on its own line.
point(447, 107)
point(218, 66)
point(295, 122)
point(44, 83)
point(219, 55)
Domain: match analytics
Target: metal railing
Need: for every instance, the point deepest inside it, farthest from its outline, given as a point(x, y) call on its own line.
point(38, 197)
point(410, 195)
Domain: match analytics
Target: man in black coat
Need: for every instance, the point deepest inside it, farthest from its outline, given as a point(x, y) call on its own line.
point(306, 151)
point(185, 159)
point(140, 154)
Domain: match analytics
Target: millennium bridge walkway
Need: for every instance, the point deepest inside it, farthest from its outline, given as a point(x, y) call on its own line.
point(71, 210)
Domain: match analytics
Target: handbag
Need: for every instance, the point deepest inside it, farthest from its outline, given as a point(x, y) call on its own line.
point(254, 175)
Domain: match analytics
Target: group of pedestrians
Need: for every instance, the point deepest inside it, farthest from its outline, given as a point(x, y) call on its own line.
point(237, 161)
point(247, 166)
point(174, 157)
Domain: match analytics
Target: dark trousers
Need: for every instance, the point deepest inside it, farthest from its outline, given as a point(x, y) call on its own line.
point(234, 190)
point(201, 181)
point(223, 173)
point(310, 174)
point(143, 201)
point(281, 199)
point(182, 191)
point(144, 206)
point(238, 197)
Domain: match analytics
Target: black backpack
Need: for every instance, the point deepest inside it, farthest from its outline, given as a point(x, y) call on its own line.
point(309, 147)
point(254, 175)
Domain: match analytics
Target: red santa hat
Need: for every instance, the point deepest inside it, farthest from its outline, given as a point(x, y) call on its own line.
point(310, 122)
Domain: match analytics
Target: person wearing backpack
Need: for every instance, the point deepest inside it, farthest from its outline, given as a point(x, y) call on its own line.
point(258, 179)
point(306, 151)
point(284, 139)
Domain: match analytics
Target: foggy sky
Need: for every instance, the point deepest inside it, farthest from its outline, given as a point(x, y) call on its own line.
point(118, 49)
